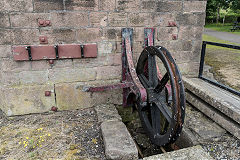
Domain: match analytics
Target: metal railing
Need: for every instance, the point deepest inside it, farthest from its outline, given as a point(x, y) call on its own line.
point(200, 75)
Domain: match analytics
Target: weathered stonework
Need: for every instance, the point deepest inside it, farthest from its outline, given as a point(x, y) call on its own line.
point(92, 21)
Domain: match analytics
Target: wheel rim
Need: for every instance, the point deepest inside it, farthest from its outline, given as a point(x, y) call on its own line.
point(163, 115)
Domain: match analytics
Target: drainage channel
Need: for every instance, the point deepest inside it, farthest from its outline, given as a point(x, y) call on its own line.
point(198, 130)
point(145, 147)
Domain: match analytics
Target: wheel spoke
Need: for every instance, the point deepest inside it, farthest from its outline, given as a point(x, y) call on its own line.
point(144, 81)
point(162, 83)
point(165, 110)
point(152, 71)
point(155, 116)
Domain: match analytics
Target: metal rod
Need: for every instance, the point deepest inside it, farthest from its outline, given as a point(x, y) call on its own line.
point(108, 87)
point(221, 86)
point(202, 59)
point(222, 45)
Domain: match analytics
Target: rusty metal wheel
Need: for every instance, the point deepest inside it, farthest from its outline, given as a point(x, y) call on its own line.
point(163, 115)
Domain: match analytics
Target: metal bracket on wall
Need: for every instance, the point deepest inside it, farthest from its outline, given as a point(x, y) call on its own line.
point(62, 51)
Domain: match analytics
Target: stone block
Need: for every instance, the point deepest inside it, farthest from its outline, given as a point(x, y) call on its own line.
point(148, 5)
point(16, 5)
point(27, 20)
point(182, 56)
point(119, 147)
point(166, 33)
point(107, 112)
point(180, 45)
point(107, 5)
point(46, 6)
point(86, 5)
point(90, 62)
point(69, 96)
point(33, 77)
point(109, 72)
point(200, 18)
point(60, 36)
point(190, 32)
point(117, 19)
point(7, 34)
point(194, 6)
point(21, 100)
point(62, 63)
point(11, 65)
point(5, 51)
point(169, 6)
point(209, 111)
point(138, 19)
point(186, 19)
point(40, 65)
point(9, 78)
point(89, 34)
point(113, 34)
point(195, 152)
point(25, 36)
point(161, 19)
point(105, 48)
point(98, 19)
point(128, 6)
point(189, 69)
point(4, 20)
point(69, 19)
point(72, 75)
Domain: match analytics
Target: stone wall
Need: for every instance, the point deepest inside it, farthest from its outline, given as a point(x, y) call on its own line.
point(23, 84)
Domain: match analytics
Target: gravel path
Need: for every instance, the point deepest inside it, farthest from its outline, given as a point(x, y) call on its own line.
point(223, 35)
point(59, 135)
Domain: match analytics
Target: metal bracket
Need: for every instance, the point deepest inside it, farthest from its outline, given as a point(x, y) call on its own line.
point(28, 48)
point(82, 51)
point(56, 51)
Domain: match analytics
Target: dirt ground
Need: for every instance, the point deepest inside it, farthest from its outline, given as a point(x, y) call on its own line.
point(58, 135)
point(225, 65)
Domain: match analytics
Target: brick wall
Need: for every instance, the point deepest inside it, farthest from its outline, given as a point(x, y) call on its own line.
point(23, 84)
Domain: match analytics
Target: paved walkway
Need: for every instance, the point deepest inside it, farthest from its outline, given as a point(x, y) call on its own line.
point(223, 35)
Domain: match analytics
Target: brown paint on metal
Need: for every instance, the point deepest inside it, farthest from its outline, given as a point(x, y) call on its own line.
point(90, 50)
point(69, 51)
point(20, 53)
point(43, 52)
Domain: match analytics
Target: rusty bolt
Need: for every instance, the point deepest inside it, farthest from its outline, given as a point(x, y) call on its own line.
point(54, 109)
point(41, 22)
point(42, 39)
point(51, 61)
point(47, 93)
point(174, 37)
point(174, 23)
point(48, 23)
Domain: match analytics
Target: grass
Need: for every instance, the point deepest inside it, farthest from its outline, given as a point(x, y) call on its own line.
point(222, 28)
point(220, 58)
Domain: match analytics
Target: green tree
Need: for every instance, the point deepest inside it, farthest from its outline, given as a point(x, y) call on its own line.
point(214, 7)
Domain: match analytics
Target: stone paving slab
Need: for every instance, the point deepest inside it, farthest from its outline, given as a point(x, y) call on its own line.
point(220, 99)
point(118, 141)
point(191, 153)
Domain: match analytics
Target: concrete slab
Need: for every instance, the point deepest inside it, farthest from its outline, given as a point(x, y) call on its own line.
point(220, 99)
point(224, 121)
point(117, 141)
point(195, 152)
